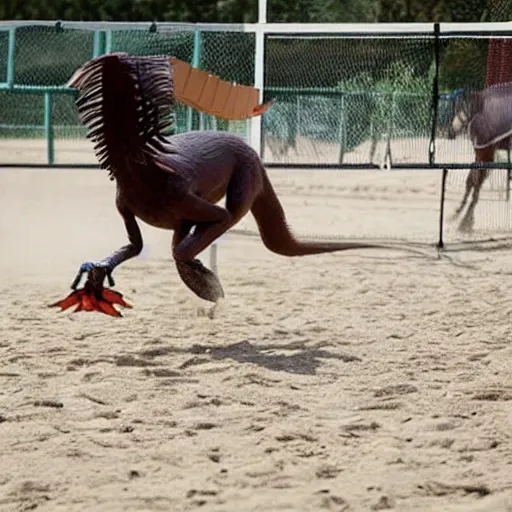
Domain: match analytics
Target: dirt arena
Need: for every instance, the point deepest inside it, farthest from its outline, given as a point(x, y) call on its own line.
point(359, 381)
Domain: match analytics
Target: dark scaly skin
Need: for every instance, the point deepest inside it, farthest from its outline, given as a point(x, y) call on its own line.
point(181, 192)
point(177, 187)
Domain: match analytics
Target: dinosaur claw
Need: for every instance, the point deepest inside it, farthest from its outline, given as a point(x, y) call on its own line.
point(99, 270)
point(93, 296)
point(87, 299)
point(67, 302)
point(113, 297)
point(111, 281)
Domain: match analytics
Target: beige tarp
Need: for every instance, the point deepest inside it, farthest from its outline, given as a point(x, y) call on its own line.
point(208, 93)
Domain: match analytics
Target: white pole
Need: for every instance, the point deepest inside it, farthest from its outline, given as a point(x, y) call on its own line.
point(213, 257)
point(259, 71)
point(262, 11)
point(254, 124)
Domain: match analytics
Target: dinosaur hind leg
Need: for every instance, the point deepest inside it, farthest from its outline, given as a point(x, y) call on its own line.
point(186, 246)
point(201, 280)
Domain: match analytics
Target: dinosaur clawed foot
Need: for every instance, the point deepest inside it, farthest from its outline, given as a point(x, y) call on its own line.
point(93, 296)
point(88, 300)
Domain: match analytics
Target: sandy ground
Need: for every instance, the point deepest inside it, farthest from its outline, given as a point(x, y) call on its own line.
point(368, 380)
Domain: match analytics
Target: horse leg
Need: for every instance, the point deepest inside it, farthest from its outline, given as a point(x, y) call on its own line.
point(469, 186)
point(479, 177)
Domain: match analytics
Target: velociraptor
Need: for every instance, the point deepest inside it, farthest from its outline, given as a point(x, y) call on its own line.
point(171, 181)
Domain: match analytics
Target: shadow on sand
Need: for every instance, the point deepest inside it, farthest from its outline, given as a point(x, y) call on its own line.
point(297, 358)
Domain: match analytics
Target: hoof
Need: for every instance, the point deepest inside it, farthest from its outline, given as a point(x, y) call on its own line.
point(466, 226)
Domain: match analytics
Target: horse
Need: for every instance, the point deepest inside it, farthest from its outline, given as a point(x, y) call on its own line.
point(487, 115)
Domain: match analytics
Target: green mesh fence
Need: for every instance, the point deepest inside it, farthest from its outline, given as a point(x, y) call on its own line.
point(38, 119)
point(340, 99)
point(352, 101)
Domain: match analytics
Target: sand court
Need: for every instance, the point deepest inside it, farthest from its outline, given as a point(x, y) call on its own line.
point(366, 380)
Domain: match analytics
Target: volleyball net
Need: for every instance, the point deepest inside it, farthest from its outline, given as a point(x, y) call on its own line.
point(346, 96)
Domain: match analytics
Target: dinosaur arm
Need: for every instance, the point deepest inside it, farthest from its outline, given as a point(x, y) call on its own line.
point(93, 296)
point(108, 264)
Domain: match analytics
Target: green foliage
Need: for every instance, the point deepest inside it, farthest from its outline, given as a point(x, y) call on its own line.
point(241, 11)
point(463, 64)
point(376, 80)
point(398, 77)
point(397, 100)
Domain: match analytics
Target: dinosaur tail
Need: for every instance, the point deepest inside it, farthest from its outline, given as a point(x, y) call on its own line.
point(276, 234)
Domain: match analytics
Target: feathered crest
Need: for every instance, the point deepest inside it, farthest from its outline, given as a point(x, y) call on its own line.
point(127, 103)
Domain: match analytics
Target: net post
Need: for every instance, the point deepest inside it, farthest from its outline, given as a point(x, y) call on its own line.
point(440, 242)
point(213, 257)
point(196, 63)
point(432, 146)
point(342, 129)
point(98, 43)
point(11, 51)
point(108, 41)
point(48, 128)
point(255, 122)
point(435, 95)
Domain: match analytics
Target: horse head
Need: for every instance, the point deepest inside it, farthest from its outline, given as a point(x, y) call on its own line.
point(462, 108)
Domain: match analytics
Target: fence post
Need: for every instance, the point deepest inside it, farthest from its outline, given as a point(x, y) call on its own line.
point(341, 131)
point(440, 242)
point(108, 41)
point(196, 63)
point(48, 127)
point(255, 123)
point(435, 95)
point(11, 51)
point(98, 43)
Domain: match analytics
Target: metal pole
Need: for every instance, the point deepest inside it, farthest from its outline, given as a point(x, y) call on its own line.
point(196, 63)
point(262, 11)
point(108, 41)
point(435, 95)
point(213, 257)
point(11, 51)
point(440, 243)
point(48, 127)
point(255, 123)
point(341, 130)
point(98, 44)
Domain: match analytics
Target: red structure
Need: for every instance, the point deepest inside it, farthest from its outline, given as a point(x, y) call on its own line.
point(499, 62)
point(499, 70)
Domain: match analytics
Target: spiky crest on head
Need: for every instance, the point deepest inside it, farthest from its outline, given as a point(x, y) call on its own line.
point(127, 104)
